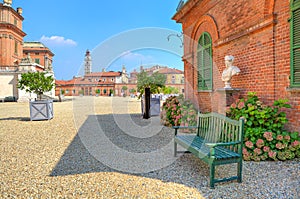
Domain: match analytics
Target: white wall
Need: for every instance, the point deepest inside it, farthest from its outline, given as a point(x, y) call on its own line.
point(7, 85)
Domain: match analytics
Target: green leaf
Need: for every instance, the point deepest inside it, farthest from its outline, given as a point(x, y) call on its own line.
point(249, 123)
point(294, 135)
point(287, 106)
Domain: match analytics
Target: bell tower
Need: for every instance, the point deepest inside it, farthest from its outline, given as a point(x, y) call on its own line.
point(87, 63)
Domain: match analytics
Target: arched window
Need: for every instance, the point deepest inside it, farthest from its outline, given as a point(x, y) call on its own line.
point(295, 43)
point(204, 60)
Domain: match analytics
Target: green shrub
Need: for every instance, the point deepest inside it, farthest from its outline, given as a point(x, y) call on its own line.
point(178, 112)
point(265, 137)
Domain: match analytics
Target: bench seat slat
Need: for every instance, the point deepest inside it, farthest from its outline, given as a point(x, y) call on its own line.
point(198, 144)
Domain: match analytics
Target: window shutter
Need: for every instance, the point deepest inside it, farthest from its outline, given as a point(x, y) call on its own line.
point(295, 45)
point(200, 66)
point(204, 59)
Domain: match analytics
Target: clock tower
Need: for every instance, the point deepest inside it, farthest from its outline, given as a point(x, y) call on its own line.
point(87, 63)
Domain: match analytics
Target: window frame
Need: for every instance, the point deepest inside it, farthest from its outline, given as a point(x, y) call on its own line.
point(293, 7)
point(16, 47)
point(37, 60)
point(201, 47)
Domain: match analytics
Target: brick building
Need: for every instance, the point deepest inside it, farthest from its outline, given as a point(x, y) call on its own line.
point(17, 56)
point(104, 83)
point(39, 53)
point(174, 77)
point(101, 83)
point(94, 83)
point(264, 38)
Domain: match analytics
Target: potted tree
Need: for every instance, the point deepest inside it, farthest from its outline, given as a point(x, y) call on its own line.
point(111, 92)
point(97, 91)
point(132, 91)
point(38, 83)
point(61, 95)
point(80, 92)
point(124, 89)
point(146, 85)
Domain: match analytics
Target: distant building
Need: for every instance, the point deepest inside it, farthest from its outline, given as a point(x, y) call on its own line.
point(39, 53)
point(17, 56)
point(94, 83)
point(175, 77)
point(111, 82)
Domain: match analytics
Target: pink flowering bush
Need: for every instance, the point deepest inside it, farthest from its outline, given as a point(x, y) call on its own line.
point(178, 112)
point(265, 137)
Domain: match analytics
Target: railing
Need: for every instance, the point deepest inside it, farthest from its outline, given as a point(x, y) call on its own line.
point(8, 68)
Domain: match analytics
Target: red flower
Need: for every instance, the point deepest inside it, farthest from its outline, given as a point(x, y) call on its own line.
point(287, 137)
point(241, 105)
point(260, 143)
point(257, 151)
point(266, 149)
point(249, 144)
point(279, 145)
point(279, 137)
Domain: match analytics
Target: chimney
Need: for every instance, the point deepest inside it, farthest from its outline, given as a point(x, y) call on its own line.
point(20, 10)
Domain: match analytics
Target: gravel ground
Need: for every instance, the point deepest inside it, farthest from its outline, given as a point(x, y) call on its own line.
point(102, 148)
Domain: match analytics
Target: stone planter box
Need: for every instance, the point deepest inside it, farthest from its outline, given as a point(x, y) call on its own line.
point(154, 106)
point(41, 110)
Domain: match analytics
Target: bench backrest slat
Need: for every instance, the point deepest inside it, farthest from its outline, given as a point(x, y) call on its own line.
point(214, 127)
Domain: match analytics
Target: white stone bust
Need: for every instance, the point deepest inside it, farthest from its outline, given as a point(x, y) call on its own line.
point(229, 71)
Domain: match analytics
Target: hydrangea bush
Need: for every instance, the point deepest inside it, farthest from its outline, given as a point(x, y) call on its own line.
point(178, 112)
point(265, 137)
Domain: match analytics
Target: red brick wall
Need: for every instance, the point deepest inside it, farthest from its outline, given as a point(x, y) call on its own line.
point(257, 34)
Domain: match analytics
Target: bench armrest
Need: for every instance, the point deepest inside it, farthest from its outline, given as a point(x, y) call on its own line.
point(184, 127)
point(212, 145)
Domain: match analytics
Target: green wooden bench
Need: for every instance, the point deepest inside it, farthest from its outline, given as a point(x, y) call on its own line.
point(217, 140)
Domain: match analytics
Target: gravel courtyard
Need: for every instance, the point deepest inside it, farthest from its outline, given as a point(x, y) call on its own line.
point(100, 147)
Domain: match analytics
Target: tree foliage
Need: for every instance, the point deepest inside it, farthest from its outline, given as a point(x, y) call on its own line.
point(155, 82)
point(124, 88)
point(132, 90)
point(170, 90)
point(36, 82)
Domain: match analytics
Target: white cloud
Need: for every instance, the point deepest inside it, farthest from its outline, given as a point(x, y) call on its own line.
point(132, 56)
point(57, 41)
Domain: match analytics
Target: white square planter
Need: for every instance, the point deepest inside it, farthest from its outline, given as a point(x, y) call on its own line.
point(154, 106)
point(41, 110)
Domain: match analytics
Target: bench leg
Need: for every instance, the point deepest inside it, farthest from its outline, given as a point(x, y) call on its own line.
point(175, 149)
point(239, 170)
point(212, 176)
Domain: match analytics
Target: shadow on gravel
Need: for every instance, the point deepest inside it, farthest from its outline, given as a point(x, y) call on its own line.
point(186, 169)
point(76, 159)
point(16, 118)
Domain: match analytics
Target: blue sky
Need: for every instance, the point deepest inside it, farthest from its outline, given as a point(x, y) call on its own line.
point(117, 32)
